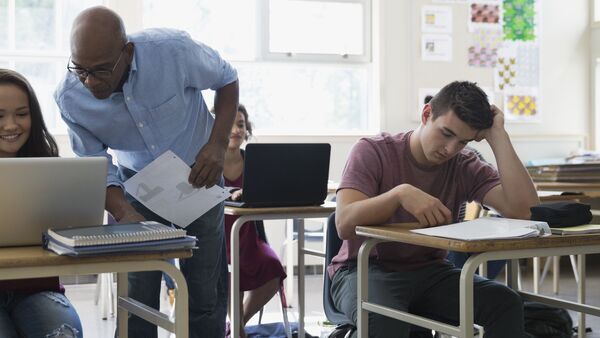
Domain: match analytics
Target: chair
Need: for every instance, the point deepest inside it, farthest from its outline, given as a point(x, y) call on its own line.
point(333, 243)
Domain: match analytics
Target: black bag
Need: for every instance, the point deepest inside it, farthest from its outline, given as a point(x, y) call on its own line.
point(543, 321)
point(562, 214)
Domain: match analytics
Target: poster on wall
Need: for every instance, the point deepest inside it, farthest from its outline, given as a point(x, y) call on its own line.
point(436, 19)
point(436, 47)
point(484, 49)
point(484, 14)
point(520, 20)
point(522, 105)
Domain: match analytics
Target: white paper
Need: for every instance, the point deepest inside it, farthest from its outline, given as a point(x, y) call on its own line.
point(489, 228)
point(436, 47)
point(436, 19)
point(162, 186)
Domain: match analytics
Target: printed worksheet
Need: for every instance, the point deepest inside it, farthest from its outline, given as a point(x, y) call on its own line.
point(163, 187)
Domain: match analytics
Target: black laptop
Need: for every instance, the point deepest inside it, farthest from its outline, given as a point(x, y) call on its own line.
point(284, 174)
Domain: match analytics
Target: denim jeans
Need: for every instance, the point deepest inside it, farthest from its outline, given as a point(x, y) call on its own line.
point(432, 292)
point(45, 314)
point(205, 273)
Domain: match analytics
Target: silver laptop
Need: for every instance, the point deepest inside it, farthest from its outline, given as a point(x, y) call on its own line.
point(39, 193)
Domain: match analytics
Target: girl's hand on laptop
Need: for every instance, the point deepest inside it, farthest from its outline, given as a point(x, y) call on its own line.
point(236, 195)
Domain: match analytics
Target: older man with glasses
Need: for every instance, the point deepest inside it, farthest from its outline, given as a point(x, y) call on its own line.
point(140, 95)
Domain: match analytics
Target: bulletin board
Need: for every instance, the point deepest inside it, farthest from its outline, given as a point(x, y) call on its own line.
point(495, 43)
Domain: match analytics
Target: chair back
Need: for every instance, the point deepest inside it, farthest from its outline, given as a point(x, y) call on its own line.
point(332, 247)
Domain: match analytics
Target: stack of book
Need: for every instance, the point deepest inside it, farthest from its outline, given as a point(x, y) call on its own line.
point(145, 236)
point(575, 173)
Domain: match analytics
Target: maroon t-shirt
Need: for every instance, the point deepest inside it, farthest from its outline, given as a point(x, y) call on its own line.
point(378, 164)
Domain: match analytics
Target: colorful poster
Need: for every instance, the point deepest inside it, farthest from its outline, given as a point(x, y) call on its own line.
point(519, 20)
point(484, 14)
point(436, 47)
point(482, 57)
point(521, 106)
point(436, 19)
point(505, 72)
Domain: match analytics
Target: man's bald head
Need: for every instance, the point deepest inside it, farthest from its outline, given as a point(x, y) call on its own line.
point(99, 47)
point(98, 28)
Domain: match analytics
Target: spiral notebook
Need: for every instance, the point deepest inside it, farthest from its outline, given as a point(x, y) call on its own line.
point(146, 231)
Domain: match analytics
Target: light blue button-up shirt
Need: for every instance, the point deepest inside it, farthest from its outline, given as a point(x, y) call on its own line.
point(161, 107)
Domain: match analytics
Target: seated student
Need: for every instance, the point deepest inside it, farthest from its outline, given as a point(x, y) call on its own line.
point(261, 272)
point(30, 307)
point(459, 258)
point(424, 176)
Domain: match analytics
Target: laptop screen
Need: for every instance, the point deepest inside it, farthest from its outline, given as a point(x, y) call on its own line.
point(39, 193)
point(286, 174)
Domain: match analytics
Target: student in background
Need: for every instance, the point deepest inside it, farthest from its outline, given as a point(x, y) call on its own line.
point(425, 176)
point(30, 307)
point(261, 272)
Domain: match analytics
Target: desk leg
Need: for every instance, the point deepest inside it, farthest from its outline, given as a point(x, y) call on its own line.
point(362, 321)
point(235, 315)
point(289, 265)
point(466, 296)
point(300, 226)
point(581, 293)
point(555, 273)
point(512, 277)
point(122, 314)
point(536, 274)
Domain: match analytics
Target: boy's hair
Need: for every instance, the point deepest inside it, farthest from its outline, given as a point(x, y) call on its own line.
point(467, 101)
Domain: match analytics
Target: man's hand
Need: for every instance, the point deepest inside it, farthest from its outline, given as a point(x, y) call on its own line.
point(428, 210)
point(497, 129)
point(131, 217)
point(236, 195)
point(208, 167)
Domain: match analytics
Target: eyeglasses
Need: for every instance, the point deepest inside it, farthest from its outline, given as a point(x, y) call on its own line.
point(101, 74)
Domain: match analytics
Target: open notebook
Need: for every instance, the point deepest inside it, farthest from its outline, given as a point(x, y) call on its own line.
point(486, 228)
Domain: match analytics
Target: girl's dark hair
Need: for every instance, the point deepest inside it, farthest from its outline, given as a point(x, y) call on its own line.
point(467, 101)
point(242, 109)
point(40, 143)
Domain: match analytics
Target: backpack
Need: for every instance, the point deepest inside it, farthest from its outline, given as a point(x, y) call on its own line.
point(543, 321)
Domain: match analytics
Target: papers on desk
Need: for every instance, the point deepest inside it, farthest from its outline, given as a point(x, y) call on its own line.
point(577, 230)
point(487, 228)
point(162, 186)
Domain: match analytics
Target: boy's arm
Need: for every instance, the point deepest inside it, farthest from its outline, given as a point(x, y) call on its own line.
point(516, 193)
point(355, 208)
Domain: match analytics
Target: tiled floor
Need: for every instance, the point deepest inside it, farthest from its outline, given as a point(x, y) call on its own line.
point(94, 327)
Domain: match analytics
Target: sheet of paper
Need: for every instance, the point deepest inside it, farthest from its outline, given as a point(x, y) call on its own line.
point(488, 228)
point(162, 186)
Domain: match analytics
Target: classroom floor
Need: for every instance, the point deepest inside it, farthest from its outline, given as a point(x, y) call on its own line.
point(82, 296)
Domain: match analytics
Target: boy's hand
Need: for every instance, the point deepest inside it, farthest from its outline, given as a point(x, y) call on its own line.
point(497, 128)
point(428, 210)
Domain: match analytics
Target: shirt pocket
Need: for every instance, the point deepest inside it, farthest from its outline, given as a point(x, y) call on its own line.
point(169, 117)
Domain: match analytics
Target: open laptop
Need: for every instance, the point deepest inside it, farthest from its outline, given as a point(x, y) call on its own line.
point(39, 193)
point(284, 174)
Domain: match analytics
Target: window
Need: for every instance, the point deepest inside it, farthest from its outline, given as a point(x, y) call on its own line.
point(34, 40)
point(304, 66)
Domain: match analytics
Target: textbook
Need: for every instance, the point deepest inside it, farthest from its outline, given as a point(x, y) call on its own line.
point(187, 242)
point(486, 228)
point(114, 234)
point(577, 230)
